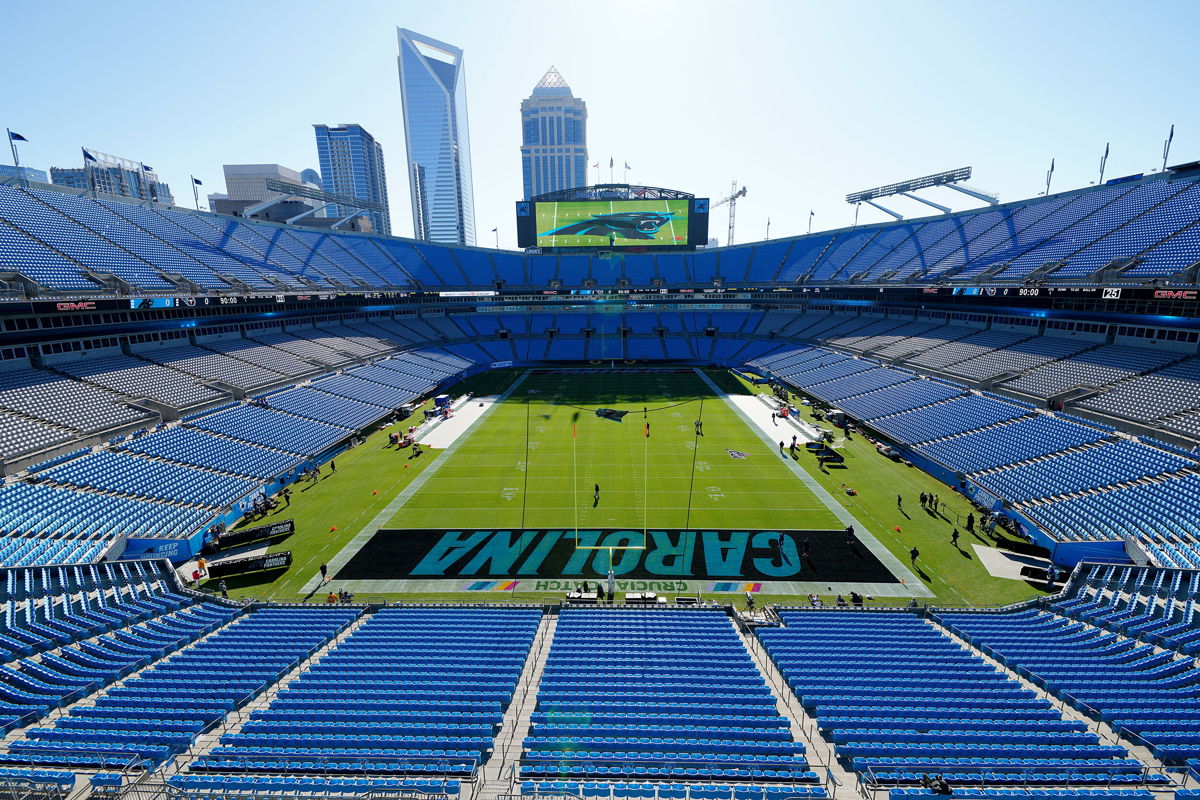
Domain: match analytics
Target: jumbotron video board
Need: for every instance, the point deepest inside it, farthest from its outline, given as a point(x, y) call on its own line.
point(613, 223)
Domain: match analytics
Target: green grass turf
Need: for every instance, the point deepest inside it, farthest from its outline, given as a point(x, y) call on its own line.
point(554, 215)
point(535, 463)
point(483, 483)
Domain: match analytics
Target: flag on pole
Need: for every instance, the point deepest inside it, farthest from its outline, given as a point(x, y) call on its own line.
point(13, 136)
point(88, 156)
point(147, 168)
point(610, 162)
point(596, 165)
point(197, 181)
point(495, 229)
point(627, 165)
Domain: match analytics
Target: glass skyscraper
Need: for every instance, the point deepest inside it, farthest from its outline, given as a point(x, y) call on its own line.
point(352, 164)
point(23, 173)
point(553, 137)
point(433, 91)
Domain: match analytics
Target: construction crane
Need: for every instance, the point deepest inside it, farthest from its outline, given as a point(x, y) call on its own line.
point(734, 194)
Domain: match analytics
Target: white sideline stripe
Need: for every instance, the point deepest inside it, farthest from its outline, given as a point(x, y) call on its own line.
point(390, 510)
point(589, 508)
point(454, 428)
point(912, 584)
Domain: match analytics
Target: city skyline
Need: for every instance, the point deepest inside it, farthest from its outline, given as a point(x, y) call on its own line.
point(786, 113)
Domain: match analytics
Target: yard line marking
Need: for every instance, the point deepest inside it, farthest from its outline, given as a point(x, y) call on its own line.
point(911, 582)
point(390, 510)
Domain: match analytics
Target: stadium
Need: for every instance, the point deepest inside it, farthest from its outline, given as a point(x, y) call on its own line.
point(892, 510)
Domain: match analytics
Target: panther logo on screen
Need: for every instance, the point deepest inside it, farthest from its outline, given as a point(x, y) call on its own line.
point(625, 225)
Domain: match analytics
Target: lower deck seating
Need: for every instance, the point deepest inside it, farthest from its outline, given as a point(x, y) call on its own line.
point(412, 692)
point(898, 698)
point(1135, 687)
point(159, 711)
point(668, 696)
point(601, 790)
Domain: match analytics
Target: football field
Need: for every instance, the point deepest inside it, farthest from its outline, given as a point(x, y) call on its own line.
point(508, 510)
point(535, 463)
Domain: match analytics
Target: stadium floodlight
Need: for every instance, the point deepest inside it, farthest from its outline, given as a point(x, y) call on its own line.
point(287, 191)
point(949, 179)
point(937, 179)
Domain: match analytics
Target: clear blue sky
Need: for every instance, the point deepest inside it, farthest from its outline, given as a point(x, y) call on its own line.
point(800, 101)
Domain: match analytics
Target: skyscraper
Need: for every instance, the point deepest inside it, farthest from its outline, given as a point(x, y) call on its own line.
point(23, 173)
point(352, 163)
point(433, 91)
point(553, 137)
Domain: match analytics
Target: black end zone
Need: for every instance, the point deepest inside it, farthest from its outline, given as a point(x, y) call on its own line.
point(721, 555)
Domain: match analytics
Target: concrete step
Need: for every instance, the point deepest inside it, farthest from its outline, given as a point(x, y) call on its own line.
point(498, 774)
point(819, 752)
point(237, 718)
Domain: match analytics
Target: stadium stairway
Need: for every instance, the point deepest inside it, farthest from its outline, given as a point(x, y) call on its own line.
point(90, 700)
point(233, 723)
point(497, 774)
point(1098, 727)
point(803, 725)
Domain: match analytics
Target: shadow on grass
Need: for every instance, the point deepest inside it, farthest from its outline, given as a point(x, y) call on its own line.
point(247, 581)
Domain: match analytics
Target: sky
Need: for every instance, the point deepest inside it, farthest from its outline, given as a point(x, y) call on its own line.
point(801, 102)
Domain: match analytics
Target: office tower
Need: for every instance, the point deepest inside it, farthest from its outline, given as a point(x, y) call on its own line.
point(249, 181)
point(246, 185)
point(433, 92)
point(112, 175)
point(553, 137)
point(25, 173)
point(352, 164)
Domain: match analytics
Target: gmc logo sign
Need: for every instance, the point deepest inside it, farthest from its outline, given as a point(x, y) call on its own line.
point(1174, 294)
point(87, 306)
